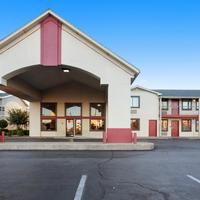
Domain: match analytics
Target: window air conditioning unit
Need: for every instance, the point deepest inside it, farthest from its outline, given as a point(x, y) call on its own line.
point(133, 111)
point(164, 133)
point(164, 112)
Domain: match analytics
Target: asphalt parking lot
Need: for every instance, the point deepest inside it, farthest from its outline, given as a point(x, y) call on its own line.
point(171, 171)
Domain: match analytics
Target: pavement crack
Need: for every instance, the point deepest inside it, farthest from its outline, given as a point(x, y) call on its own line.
point(165, 195)
point(100, 167)
point(102, 164)
point(2, 197)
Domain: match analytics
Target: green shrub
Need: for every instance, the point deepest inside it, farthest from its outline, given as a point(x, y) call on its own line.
point(26, 132)
point(11, 132)
point(20, 132)
point(18, 117)
point(3, 124)
point(5, 130)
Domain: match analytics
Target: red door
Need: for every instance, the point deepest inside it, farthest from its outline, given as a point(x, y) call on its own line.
point(175, 128)
point(152, 128)
point(175, 107)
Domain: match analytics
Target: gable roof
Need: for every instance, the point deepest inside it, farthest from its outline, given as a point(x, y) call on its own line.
point(40, 18)
point(179, 93)
point(145, 89)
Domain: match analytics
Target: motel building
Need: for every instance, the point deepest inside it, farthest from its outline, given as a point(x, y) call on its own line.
point(75, 86)
point(165, 113)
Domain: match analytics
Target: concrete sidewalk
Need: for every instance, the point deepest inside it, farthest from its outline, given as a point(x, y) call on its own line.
point(140, 146)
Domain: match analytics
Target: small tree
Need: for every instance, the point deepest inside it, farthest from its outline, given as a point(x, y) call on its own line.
point(18, 117)
point(3, 124)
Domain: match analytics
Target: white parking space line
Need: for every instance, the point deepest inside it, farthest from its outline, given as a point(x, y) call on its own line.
point(80, 189)
point(193, 178)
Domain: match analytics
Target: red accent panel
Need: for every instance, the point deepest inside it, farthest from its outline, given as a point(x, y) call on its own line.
point(50, 42)
point(118, 135)
point(152, 128)
point(71, 117)
point(175, 128)
point(175, 107)
point(2, 137)
point(180, 116)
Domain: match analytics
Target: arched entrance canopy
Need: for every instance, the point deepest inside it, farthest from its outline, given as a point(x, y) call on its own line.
point(29, 82)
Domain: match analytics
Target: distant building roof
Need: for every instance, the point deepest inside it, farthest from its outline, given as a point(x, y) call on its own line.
point(3, 94)
point(145, 89)
point(179, 93)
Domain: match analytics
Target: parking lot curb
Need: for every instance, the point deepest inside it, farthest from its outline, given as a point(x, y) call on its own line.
point(140, 146)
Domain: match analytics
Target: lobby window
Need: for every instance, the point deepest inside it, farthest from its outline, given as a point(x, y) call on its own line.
point(135, 124)
point(48, 116)
point(164, 125)
point(97, 117)
point(73, 109)
point(186, 104)
point(135, 101)
point(186, 125)
point(164, 104)
point(197, 125)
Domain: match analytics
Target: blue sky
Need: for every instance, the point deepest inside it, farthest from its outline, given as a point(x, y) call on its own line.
point(160, 37)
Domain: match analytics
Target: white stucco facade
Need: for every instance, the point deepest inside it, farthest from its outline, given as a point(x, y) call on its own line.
point(148, 110)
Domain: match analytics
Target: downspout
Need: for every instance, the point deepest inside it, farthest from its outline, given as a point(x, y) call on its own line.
point(199, 118)
point(160, 115)
point(133, 79)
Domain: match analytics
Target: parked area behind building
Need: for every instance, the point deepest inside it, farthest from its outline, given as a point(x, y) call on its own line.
point(8, 102)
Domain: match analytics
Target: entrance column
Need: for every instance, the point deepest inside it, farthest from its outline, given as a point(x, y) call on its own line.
point(118, 108)
point(34, 125)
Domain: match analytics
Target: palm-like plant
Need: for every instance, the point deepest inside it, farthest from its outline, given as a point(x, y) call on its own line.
point(18, 117)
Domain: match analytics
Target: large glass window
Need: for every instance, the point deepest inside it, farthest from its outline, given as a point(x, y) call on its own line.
point(164, 125)
point(97, 109)
point(135, 124)
point(48, 125)
point(97, 124)
point(186, 125)
point(97, 116)
point(48, 116)
point(73, 109)
point(186, 104)
point(135, 101)
point(48, 109)
point(164, 104)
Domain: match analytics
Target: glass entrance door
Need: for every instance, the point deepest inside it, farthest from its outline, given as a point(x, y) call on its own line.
point(74, 127)
point(74, 122)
